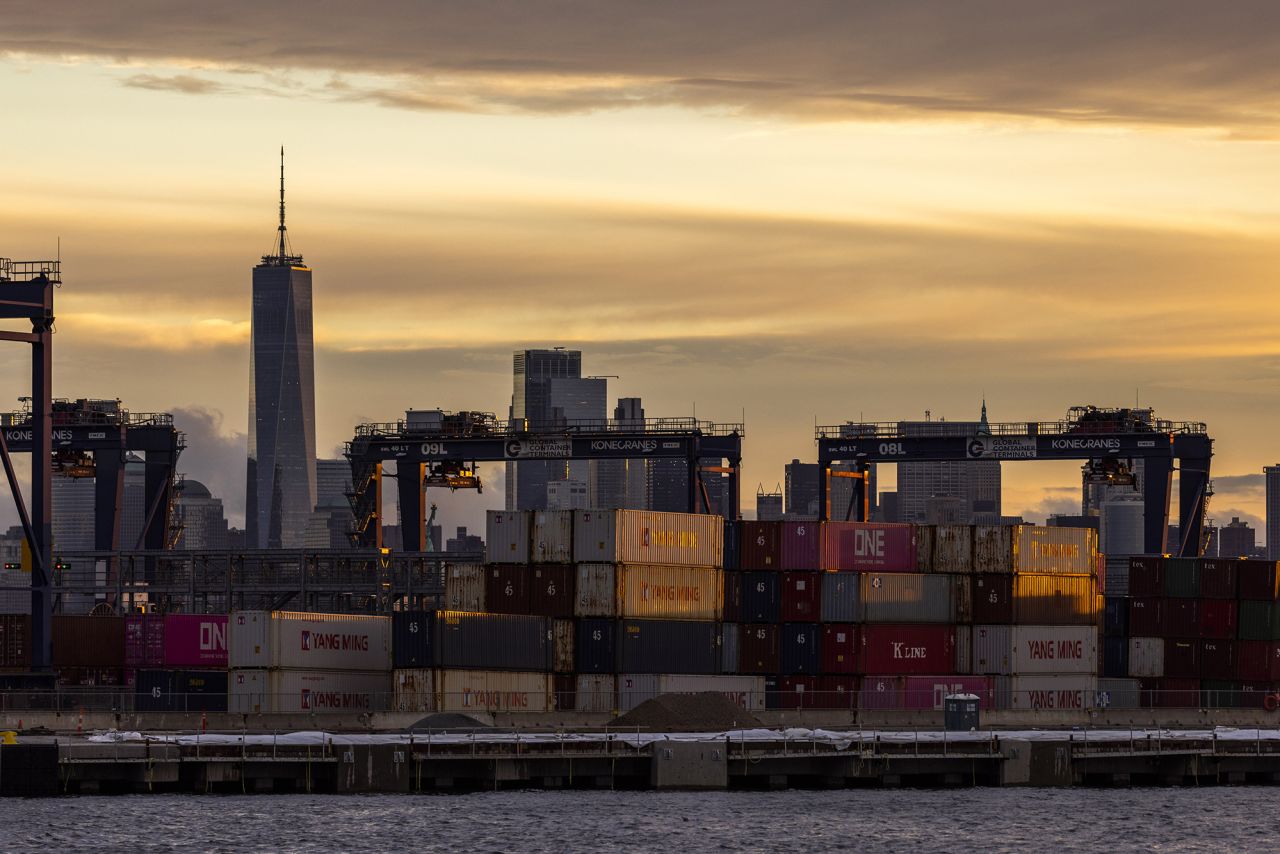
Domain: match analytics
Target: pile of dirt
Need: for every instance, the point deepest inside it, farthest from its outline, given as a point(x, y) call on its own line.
point(705, 712)
point(448, 722)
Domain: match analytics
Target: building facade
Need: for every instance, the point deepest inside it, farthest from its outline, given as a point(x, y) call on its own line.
point(976, 484)
point(1272, 476)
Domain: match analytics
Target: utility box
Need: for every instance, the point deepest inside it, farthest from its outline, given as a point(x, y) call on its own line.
point(960, 712)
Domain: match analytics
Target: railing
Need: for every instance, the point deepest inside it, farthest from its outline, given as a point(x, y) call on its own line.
point(966, 429)
point(11, 270)
point(519, 427)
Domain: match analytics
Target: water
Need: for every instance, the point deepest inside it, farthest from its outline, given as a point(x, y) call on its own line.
point(992, 820)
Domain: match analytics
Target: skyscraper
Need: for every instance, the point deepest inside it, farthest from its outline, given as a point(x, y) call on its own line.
point(281, 489)
point(976, 483)
point(1272, 475)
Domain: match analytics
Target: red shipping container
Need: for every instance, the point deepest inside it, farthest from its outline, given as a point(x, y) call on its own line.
point(1218, 579)
point(759, 546)
point(1219, 618)
point(908, 649)
point(1180, 693)
point(881, 692)
point(798, 692)
point(565, 686)
point(732, 597)
point(1217, 659)
point(838, 692)
point(1182, 658)
point(928, 692)
point(1146, 576)
point(175, 640)
point(15, 640)
point(1258, 661)
point(1149, 692)
point(1259, 695)
point(992, 599)
point(552, 590)
point(1146, 618)
point(801, 597)
point(82, 641)
point(1257, 579)
point(506, 588)
point(801, 545)
point(868, 547)
point(839, 648)
point(759, 649)
point(1181, 618)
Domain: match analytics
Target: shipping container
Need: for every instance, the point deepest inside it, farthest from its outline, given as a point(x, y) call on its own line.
point(92, 677)
point(925, 535)
point(732, 545)
point(1014, 650)
point(656, 592)
point(667, 646)
point(175, 641)
point(1116, 579)
point(1253, 695)
point(464, 587)
point(493, 691)
point(730, 648)
point(992, 548)
point(1055, 599)
point(1219, 694)
point(801, 546)
point(1258, 661)
point(648, 537)
point(746, 692)
point(1217, 659)
point(1218, 579)
point(595, 648)
point(1118, 694)
point(1219, 618)
point(15, 640)
point(962, 596)
point(414, 690)
point(1073, 692)
point(1115, 657)
point(564, 692)
point(882, 692)
point(907, 597)
point(1146, 658)
point(494, 641)
point(907, 649)
point(506, 588)
point(801, 596)
point(83, 641)
point(1146, 617)
point(835, 691)
point(1182, 658)
point(506, 536)
point(759, 648)
point(1181, 618)
point(1043, 549)
point(759, 546)
point(928, 692)
point(1178, 693)
point(562, 637)
point(1115, 621)
point(867, 547)
point(801, 648)
point(1182, 577)
point(412, 639)
point(964, 649)
point(731, 606)
point(1258, 580)
point(552, 537)
point(992, 598)
point(761, 597)
point(953, 548)
point(839, 648)
point(551, 590)
point(841, 598)
point(596, 693)
point(307, 641)
point(596, 590)
point(180, 691)
point(798, 692)
point(1146, 576)
point(254, 691)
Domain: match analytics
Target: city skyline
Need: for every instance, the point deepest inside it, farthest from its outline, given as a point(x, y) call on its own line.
point(724, 228)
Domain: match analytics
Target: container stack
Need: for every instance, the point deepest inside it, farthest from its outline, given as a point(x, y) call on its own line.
point(176, 662)
point(88, 651)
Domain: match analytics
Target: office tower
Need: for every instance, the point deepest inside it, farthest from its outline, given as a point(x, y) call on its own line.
point(464, 542)
point(568, 494)
point(802, 491)
point(768, 505)
point(1272, 475)
point(203, 521)
point(975, 483)
point(281, 489)
point(623, 484)
point(73, 514)
point(332, 522)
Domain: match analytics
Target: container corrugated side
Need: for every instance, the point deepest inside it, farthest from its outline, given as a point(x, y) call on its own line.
point(1182, 577)
point(596, 693)
point(1146, 658)
point(907, 649)
point(1116, 582)
point(494, 641)
point(1071, 692)
point(312, 691)
point(908, 597)
point(953, 548)
point(761, 593)
point(15, 640)
point(175, 640)
point(841, 598)
point(1040, 548)
point(507, 536)
point(551, 537)
point(413, 639)
point(1012, 650)
point(730, 647)
point(867, 547)
point(506, 588)
point(309, 641)
point(464, 587)
point(928, 692)
point(656, 592)
point(597, 591)
point(964, 649)
point(760, 648)
point(759, 546)
point(1119, 694)
point(747, 692)
point(667, 646)
point(993, 548)
point(648, 537)
point(595, 647)
point(801, 545)
point(552, 590)
point(87, 641)
point(562, 637)
point(493, 691)
point(1055, 599)
point(925, 535)
point(415, 689)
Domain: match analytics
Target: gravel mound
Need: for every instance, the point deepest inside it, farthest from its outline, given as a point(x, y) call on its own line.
point(705, 712)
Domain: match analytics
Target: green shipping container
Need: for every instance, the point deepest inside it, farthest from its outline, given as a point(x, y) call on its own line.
point(1182, 577)
point(1259, 620)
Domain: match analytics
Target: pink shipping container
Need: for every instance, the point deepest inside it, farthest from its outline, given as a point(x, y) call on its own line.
point(175, 640)
point(881, 692)
point(928, 692)
point(801, 545)
point(867, 547)
point(908, 649)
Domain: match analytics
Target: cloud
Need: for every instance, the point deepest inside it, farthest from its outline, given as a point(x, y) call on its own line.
point(214, 456)
point(187, 84)
point(1091, 62)
point(1236, 484)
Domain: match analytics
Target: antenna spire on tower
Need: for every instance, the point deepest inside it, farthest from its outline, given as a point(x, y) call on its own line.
point(281, 254)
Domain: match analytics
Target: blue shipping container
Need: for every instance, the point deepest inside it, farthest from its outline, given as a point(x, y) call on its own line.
point(729, 646)
point(1115, 658)
point(668, 646)
point(800, 653)
point(595, 647)
point(841, 597)
point(411, 634)
point(761, 597)
point(1116, 618)
point(731, 544)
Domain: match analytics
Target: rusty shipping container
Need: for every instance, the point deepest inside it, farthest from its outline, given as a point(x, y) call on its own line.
point(493, 691)
point(867, 547)
point(562, 635)
point(801, 596)
point(759, 546)
point(506, 588)
point(907, 649)
point(925, 535)
point(15, 640)
point(1013, 650)
point(1146, 657)
point(993, 548)
point(656, 592)
point(507, 536)
point(308, 641)
point(254, 691)
point(908, 597)
point(552, 590)
point(596, 591)
point(648, 537)
point(953, 548)
point(801, 546)
point(759, 648)
point(83, 641)
point(1052, 599)
point(1037, 548)
point(414, 690)
point(551, 537)
point(464, 587)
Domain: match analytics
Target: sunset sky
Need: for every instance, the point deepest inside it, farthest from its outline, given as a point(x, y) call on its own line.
point(792, 211)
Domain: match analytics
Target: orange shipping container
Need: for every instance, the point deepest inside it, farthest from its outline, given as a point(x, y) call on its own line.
point(670, 592)
point(648, 537)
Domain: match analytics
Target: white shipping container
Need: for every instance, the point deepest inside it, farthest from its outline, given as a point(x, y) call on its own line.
point(952, 548)
point(635, 688)
point(1119, 694)
point(552, 539)
point(597, 590)
point(307, 641)
point(1146, 658)
point(464, 588)
point(493, 691)
point(1063, 692)
point(309, 691)
point(506, 536)
point(414, 690)
point(1017, 650)
point(670, 592)
point(562, 645)
point(596, 693)
point(648, 537)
